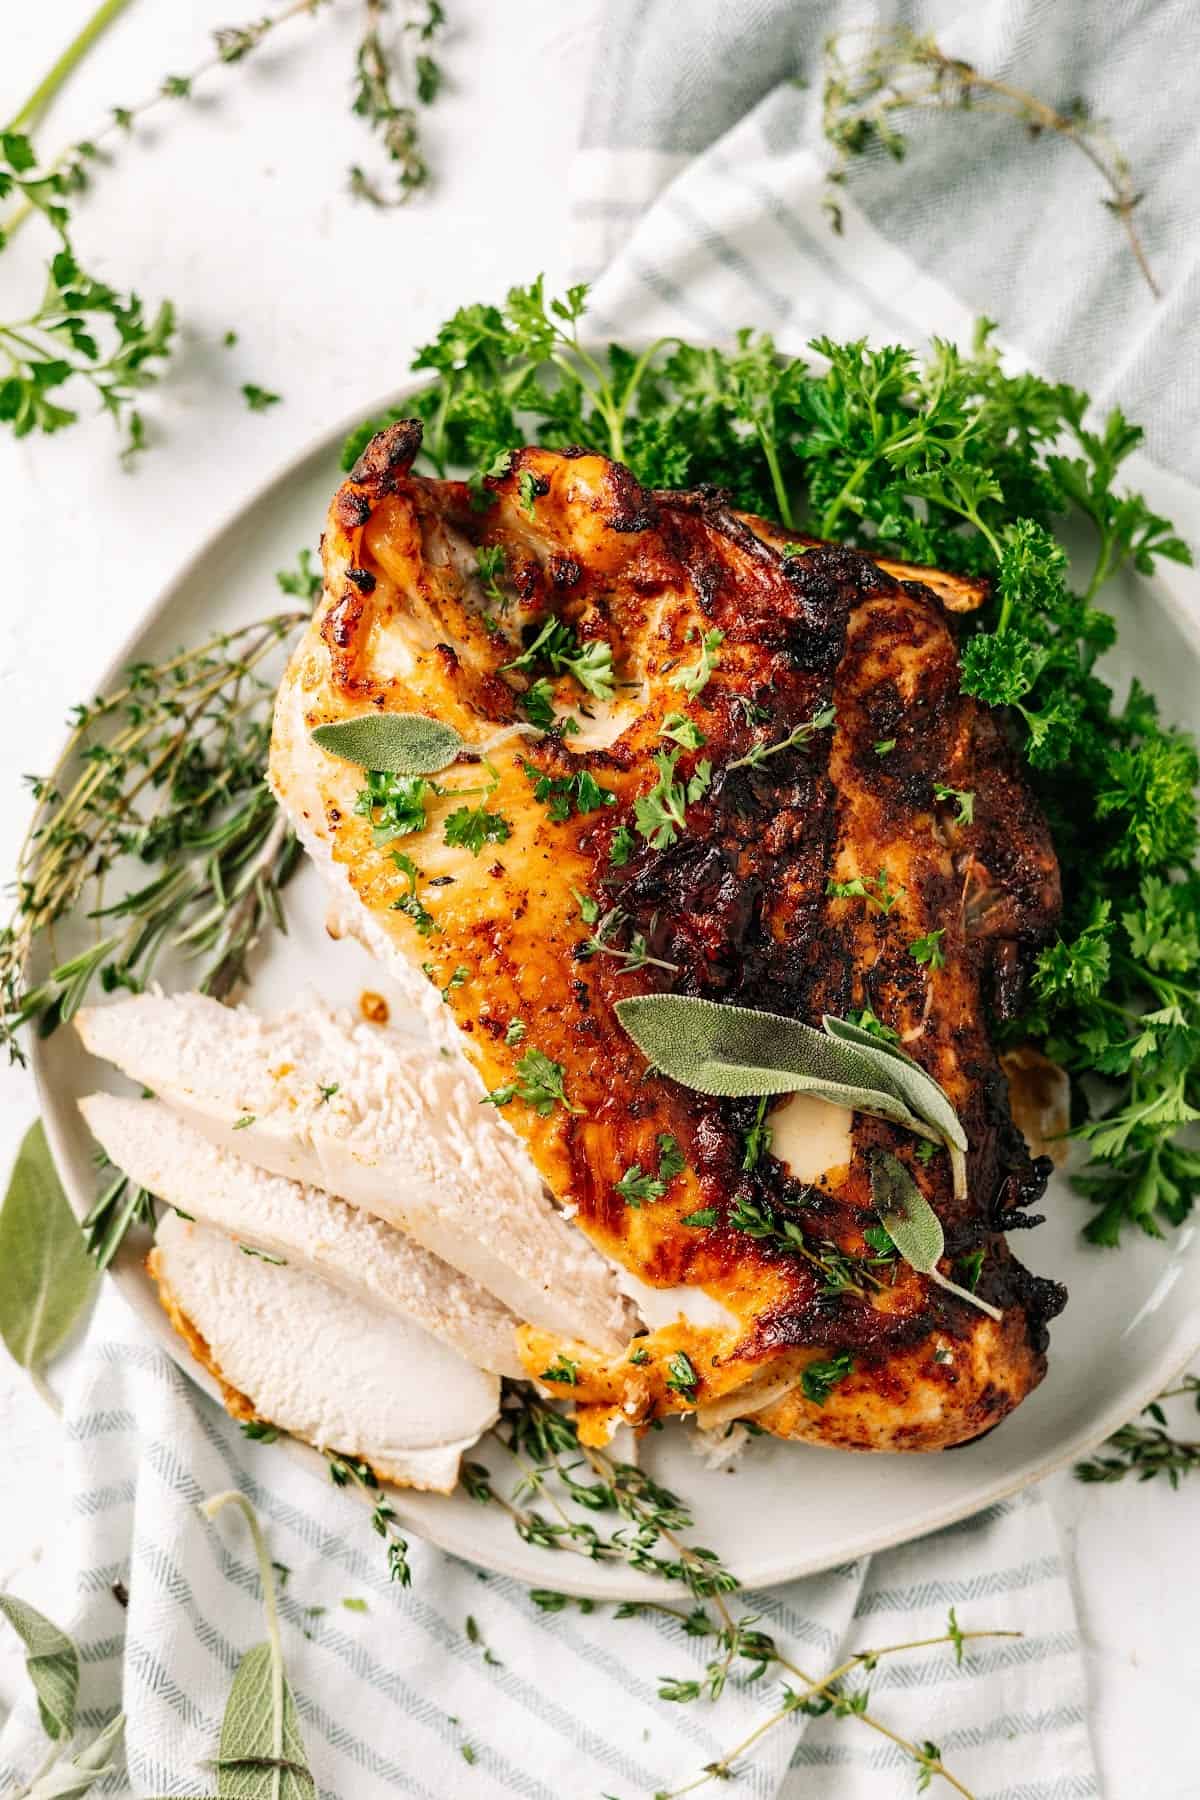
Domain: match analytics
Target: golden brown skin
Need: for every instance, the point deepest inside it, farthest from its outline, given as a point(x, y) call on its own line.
point(736, 908)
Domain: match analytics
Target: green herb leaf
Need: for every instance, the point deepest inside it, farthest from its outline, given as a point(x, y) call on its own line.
point(52, 1663)
point(731, 1050)
point(261, 1754)
point(395, 743)
point(46, 1275)
point(913, 1226)
point(819, 1378)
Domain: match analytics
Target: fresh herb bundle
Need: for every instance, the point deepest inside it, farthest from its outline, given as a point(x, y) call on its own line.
point(169, 771)
point(948, 461)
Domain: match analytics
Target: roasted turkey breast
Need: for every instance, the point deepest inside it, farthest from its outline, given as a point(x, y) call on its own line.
point(695, 825)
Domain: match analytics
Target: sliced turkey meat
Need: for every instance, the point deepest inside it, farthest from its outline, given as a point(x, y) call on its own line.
point(380, 1120)
point(310, 1229)
point(340, 1373)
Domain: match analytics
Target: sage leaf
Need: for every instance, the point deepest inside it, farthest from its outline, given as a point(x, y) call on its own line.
point(262, 1754)
point(46, 1274)
point(912, 1084)
point(908, 1080)
point(734, 1051)
point(69, 1780)
point(396, 743)
point(51, 1662)
point(914, 1227)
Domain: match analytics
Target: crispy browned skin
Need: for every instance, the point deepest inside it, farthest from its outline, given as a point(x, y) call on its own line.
point(737, 905)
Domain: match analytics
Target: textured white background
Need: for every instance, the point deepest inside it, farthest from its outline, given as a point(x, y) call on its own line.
point(235, 206)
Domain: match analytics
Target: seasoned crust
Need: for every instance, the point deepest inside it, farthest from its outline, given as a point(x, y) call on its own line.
point(737, 907)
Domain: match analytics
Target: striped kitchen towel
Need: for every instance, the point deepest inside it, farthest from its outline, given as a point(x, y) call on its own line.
point(396, 1697)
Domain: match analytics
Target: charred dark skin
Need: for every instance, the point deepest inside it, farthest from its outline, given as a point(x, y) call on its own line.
point(742, 906)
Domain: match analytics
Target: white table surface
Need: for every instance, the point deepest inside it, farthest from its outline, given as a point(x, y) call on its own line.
point(235, 206)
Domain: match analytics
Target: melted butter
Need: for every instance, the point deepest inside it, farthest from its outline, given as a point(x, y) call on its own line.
point(810, 1136)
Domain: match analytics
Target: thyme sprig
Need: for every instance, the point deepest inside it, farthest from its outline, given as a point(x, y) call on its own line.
point(350, 1471)
point(555, 1469)
point(814, 1697)
point(872, 75)
point(384, 96)
point(73, 168)
point(1146, 1451)
point(167, 770)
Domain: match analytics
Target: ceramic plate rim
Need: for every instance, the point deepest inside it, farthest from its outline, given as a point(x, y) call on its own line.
point(130, 1279)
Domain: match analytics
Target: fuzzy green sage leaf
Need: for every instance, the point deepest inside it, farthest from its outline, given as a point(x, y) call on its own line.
point(735, 1051)
point(396, 743)
point(914, 1227)
point(910, 1083)
point(261, 1755)
point(46, 1274)
point(52, 1663)
point(93, 1762)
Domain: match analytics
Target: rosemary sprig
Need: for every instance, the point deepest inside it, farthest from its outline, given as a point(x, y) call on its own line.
point(1145, 1451)
point(169, 770)
point(894, 70)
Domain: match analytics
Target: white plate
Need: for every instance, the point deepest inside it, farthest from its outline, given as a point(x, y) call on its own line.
point(787, 1510)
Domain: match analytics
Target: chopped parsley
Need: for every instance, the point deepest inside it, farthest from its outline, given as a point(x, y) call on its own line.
point(258, 399)
point(516, 1031)
point(537, 703)
point(874, 889)
point(327, 1092)
point(928, 949)
point(965, 812)
point(563, 794)
point(527, 491)
point(703, 1216)
point(591, 664)
point(490, 564)
point(659, 815)
point(636, 1186)
point(682, 730)
point(638, 1355)
point(622, 847)
point(694, 677)
point(539, 1082)
point(867, 1021)
point(409, 904)
point(471, 827)
point(245, 1122)
point(681, 1376)
point(884, 746)
point(562, 1370)
point(395, 805)
point(971, 1267)
point(819, 1378)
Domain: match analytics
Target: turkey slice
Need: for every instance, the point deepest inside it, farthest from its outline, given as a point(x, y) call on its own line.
point(309, 1229)
point(383, 1122)
point(338, 1372)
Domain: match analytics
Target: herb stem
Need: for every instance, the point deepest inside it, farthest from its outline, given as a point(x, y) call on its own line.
point(58, 72)
point(123, 117)
point(44, 1391)
point(266, 1576)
